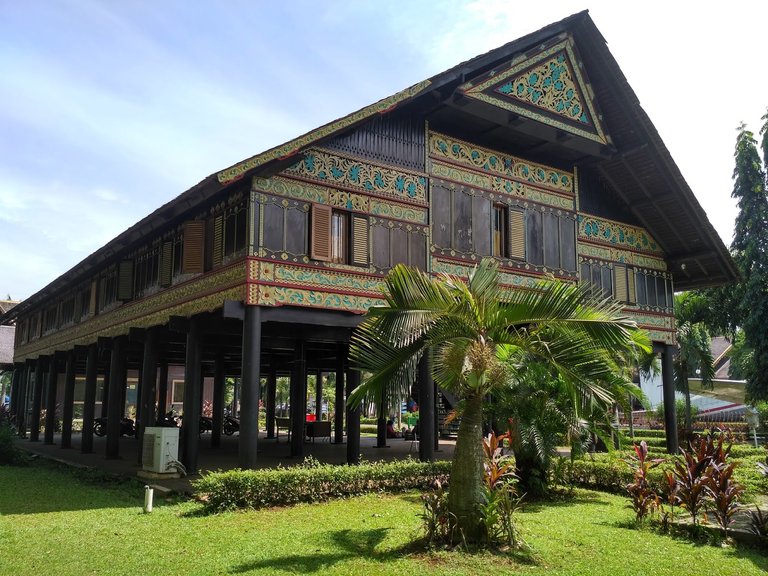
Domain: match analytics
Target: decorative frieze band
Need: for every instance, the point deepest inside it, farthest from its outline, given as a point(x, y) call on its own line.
point(612, 233)
point(492, 162)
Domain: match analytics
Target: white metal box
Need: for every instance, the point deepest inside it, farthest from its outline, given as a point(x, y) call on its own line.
point(160, 447)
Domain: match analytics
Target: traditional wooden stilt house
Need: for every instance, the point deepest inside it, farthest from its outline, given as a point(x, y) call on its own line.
point(537, 153)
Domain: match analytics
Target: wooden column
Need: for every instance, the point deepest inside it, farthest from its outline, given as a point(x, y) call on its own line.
point(22, 407)
point(162, 390)
point(668, 389)
point(271, 393)
point(148, 384)
point(50, 400)
point(37, 400)
point(341, 354)
point(68, 410)
point(219, 384)
point(298, 399)
point(89, 401)
point(353, 420)
point(436, 412)
point(117, 380)
point(426, 411)
point(193, 384)
point(381, 421)
point(318, 395)
point(15, 389)
point(105, 389)
point(250, 388)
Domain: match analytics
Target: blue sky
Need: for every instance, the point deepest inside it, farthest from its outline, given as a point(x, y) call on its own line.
point(108, 109)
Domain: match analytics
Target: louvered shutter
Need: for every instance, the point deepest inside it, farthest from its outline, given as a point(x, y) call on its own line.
point(620, 282)
point(320, 244)
point(94, 297)
point(218, 240)
point(166, 264)
point(360, 231)
point(194, 247)
point(517, 234)
point(631, 296)
point(125, 280)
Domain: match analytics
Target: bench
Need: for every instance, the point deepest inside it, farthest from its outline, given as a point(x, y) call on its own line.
point(318, 429)
point(285, 424)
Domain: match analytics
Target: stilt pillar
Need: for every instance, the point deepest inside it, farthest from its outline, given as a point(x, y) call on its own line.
point(89, 400)
point(250, 388)
point(68, 410)
point(426, 411)
point(37, 400)
point(117, 380)
point(146, 411)
point(668, 389)
point(219, 384)
point(338, 424)
point(50, 400)
point(162, 390)
point(353, 420)
point(298, 399)
point(271, 393)
point(193, 384)
point(381, 421)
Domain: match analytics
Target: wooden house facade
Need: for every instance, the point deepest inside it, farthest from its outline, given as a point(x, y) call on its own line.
point(536, 153)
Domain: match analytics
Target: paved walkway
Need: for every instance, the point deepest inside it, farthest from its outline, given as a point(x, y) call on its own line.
point(271, 453)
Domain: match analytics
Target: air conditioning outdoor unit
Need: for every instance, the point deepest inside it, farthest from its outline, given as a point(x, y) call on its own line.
point(161, 446)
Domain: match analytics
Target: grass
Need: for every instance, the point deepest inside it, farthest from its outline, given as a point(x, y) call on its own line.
point(52, 522)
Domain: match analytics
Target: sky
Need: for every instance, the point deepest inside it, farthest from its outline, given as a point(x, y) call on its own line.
point(108, 109)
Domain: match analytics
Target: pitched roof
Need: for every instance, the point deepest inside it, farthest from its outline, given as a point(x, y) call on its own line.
point(636, 164)
point(6, 305)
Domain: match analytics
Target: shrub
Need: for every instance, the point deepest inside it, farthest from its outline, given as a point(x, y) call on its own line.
point(9, 452)
point(313, 482)
point(644, 498)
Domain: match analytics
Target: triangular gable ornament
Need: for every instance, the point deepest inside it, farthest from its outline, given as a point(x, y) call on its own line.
point(548, 87)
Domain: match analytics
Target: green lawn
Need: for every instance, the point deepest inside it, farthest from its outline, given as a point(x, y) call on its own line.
point(52, 523)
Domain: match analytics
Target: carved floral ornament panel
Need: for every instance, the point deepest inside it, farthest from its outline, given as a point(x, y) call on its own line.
point(490, 161)
point(550, 82)
point(594, 229)
point(322, 166)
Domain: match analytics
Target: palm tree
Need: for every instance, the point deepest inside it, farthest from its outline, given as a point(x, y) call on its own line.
point(481, 334)
point(694, 356)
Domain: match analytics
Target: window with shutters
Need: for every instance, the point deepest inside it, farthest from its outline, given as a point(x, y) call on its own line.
point(107, 288)
point(235, 230)
point(49, 320)
point(68, 311)
point(178, 254)
point(147, 274)
point(394, 242)
point(653, 289)
point(193, 247)
point(599, 277)
point(339, 236)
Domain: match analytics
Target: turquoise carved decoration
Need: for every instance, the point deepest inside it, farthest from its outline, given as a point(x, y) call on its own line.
point(549, 87)
point(616, 234)
point(322, 166)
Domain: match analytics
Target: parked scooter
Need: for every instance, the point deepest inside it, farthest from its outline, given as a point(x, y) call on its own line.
point(206, 424)
point(231, 425)
point(170, 420)
point(127, 427)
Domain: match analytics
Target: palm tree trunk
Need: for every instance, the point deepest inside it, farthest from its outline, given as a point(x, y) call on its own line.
point(688, 423)
point(466, 482)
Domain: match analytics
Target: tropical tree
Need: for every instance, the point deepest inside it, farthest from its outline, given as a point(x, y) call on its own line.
point(694, 358)
point(481, 335)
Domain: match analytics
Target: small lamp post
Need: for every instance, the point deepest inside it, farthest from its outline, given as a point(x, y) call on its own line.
point(752, 416)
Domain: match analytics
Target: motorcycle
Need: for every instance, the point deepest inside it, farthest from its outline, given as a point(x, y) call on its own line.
point(127, 427)
point(170, 420)
point(206, 424)
point(231, 425)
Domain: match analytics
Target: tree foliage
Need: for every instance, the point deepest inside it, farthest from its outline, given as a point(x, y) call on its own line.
point(482, 335)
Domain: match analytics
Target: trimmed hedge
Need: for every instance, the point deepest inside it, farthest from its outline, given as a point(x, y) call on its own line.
point(313, 482)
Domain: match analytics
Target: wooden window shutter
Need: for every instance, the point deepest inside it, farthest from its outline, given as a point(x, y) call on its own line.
point(125, 280)
point(193, 254)
point(166, 264)
point(360, 231)
point(631, 297)
point(620, 282)
point(218, 240)
point(517, 234)
point(320, 243)
point(94, 297)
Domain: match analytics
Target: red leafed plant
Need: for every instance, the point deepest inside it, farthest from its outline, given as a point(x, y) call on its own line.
point(644, 498)
point(498, 467)
point(725, 493)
